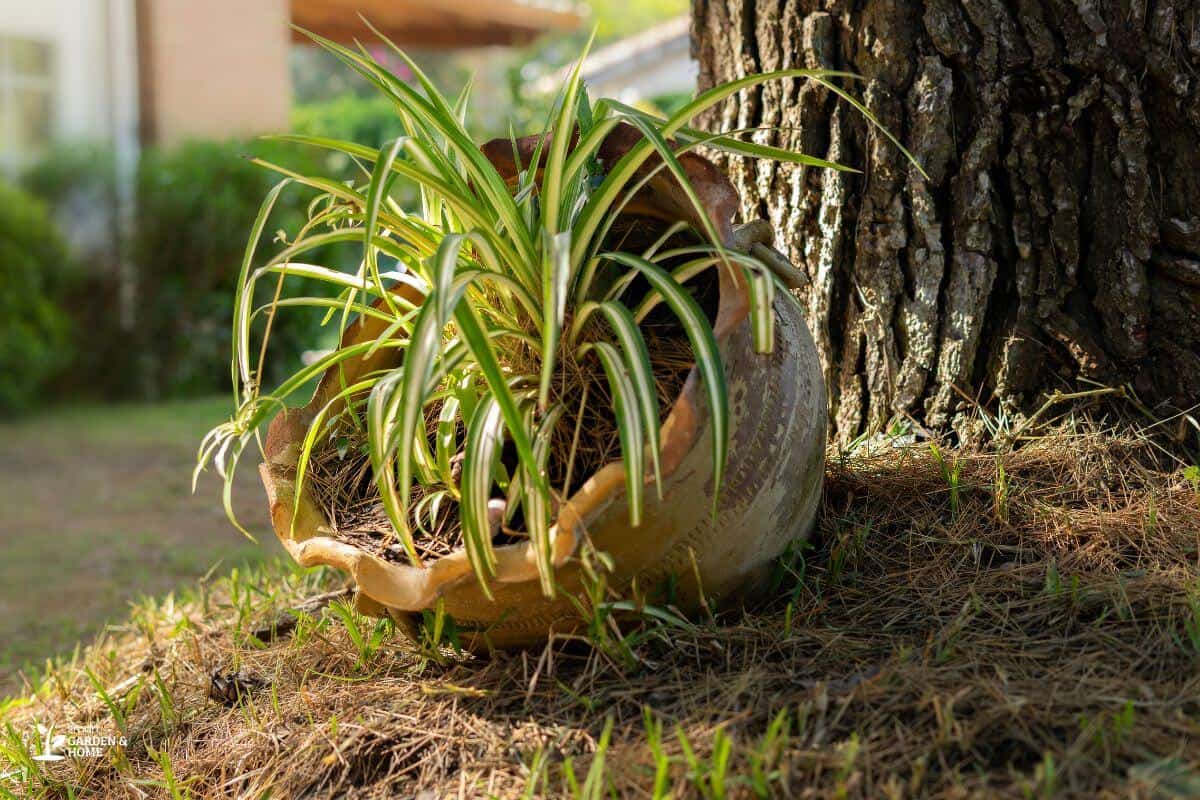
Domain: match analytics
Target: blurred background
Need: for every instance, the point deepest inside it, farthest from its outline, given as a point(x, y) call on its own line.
point(126, 196)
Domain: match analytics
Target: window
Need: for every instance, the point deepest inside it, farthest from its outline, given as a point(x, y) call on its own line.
point(26, 99)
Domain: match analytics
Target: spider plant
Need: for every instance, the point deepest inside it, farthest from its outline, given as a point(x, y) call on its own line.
point(517, 285)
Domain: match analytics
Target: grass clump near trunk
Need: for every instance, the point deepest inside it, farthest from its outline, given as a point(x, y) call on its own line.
point(970, 622)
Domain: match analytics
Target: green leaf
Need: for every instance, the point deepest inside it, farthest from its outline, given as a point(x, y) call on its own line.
point(437, 114)
point(489, 366)
point(651, 135)
point(641, 374)
point(379, 183)
point(629, 424)
point(728, 144)
point(485, 437)
point(602, 199)
point(554, 197)
point(424, 349)
point(381, 410)
point(446, 441)
point(242, 376)
point(556, 271)
point(761, 284)
point(535, 503)
point(704, 346)
point(315, 429)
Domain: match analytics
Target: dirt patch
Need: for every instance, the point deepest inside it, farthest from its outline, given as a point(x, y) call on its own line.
point(99, 511)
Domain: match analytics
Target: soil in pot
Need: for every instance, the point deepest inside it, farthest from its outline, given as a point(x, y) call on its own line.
point(341, 481)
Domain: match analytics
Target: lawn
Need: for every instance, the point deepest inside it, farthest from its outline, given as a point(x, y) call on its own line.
point(971, 623)
point(98, 511)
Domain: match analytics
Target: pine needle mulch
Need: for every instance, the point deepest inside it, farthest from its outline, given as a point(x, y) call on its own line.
point(965, 624)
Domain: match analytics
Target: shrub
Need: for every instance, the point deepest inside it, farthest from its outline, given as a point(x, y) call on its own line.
point(371, 120)
point(196, 204)
point(34, 266)
point(78, 181)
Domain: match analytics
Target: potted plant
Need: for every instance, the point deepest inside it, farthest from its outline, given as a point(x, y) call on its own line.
point(568, 342)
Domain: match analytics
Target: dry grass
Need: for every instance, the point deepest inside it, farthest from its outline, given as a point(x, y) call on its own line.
point(965, 624)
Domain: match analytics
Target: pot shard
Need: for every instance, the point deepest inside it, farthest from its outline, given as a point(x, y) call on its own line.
point(767, 499)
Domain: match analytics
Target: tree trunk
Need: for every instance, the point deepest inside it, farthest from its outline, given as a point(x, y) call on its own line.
point(1057, 238)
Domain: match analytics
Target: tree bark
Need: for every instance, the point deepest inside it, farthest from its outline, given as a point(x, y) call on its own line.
point(1057, 238)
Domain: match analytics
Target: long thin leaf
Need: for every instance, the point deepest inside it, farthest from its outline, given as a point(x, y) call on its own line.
point(623, 171)
point(556, 272)
point(704, 346)
point(381, 409)
point(419, 361)
point(553, 186)
point(536, 504)
point(379, 183)
point(629, 424)
point(641, 373)
point(244, 296)
point(485, 436)
point(436, 113)
point(761, 283)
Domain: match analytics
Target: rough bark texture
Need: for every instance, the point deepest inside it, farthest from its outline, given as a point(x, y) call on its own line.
point(1057, 237)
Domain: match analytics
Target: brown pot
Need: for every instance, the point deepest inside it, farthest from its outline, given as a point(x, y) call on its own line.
point(768, 497)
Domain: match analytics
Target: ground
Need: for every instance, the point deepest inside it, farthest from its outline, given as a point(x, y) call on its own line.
point(98, 510)
point(966, 623)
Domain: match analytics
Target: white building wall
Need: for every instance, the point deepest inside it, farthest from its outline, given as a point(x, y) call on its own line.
point(94, 63)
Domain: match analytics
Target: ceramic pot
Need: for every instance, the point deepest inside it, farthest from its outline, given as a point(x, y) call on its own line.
point(768, 498)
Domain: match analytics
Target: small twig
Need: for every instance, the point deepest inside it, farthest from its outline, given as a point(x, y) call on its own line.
point(285, 623)
point(566, 490)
